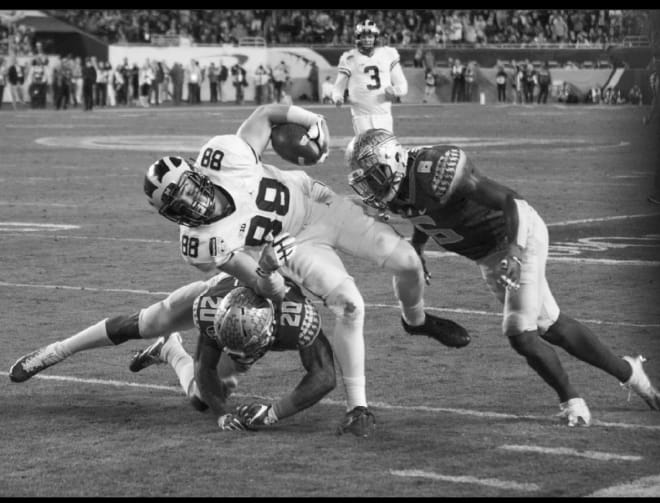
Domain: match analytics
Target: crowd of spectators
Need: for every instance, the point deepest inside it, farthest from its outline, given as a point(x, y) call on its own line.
point(439, 27)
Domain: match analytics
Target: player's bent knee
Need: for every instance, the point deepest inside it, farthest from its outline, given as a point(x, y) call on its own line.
point(345, 301)
point(404, 259)
point(516, 323)
point(525, 342)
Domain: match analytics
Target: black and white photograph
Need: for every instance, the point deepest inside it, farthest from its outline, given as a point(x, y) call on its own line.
point(330, 253)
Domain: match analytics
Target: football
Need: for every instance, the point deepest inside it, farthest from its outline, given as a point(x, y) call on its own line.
point(291, 142)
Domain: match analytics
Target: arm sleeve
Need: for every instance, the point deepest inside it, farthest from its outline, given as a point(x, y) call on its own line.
point(399, 82)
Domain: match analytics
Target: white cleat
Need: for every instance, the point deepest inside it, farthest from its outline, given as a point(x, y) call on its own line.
point(639, 383)
point(33, 363)
point(576, 412)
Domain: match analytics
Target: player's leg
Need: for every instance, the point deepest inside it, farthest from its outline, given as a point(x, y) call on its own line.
point(577, 340)
point(365, 237)
point(520, 321)
point(171, 314)
point(317, 268)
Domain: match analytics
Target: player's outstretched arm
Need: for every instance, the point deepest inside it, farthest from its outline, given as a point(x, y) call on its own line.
point(214, 393)
point(244, 268)
point(319, 380)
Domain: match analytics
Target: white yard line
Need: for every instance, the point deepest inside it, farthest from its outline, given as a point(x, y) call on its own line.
point(382, 405)
point(466, 479)
point(644, 487)
point(567, 451)
point(384, 306)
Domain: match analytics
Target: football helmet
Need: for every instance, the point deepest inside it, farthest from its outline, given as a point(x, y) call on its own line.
point(179, 193)
point(366, 33)
point(377, 164)
point(244, 322)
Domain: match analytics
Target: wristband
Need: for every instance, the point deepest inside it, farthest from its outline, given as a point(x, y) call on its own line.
point(517, 260)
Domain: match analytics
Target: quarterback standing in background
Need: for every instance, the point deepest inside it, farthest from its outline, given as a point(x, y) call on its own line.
point(440, 191)
point(374, 79)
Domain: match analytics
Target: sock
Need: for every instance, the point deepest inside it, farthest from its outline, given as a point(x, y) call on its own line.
point(94, 336)
point(349, 350)
point(182, 363)
point(409, 289)
point(356, 392)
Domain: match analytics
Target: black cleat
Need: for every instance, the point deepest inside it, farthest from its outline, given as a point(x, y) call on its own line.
point(360, 421)
point(444, 331)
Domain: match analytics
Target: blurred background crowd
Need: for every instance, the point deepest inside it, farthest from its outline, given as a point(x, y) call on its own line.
point(398, 27)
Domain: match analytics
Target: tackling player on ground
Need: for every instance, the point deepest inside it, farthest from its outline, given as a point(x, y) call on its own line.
point(374, 79)
point(440, 191)
point(235, 321)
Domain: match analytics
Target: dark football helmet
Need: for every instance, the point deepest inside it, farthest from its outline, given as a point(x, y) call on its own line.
point(366, 34)
point(244, 322)
point(377, 164)
point(179, 193)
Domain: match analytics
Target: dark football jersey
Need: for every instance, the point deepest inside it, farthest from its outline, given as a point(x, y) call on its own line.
point(456, 223)
point(298, 321)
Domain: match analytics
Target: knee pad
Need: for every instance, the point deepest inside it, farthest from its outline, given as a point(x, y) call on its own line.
point(345, 301)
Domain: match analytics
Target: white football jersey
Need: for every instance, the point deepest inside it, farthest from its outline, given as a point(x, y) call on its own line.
point(368, 76)
point(266, 199)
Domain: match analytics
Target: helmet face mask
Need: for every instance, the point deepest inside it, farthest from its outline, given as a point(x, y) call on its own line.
point(191, 202)
point(244, 322)
point(179, 193)
point(377, 164)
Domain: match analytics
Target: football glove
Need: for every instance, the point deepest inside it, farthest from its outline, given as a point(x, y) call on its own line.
point(319, 133)
point(276, 253)
point(230, 422)
point(255, 415)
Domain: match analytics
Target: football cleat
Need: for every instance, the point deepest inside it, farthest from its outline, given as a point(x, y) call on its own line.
point(151, 355)
point(360, 421)
point(576, 412)
point(33, 363)
point(639, 383)
point(444, 331)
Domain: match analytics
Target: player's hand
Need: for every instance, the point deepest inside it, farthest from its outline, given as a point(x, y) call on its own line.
point(277, 252)
point(390, 95)
point(320, 134)
point(230, 422)
point(338, 99)
point(510, 272)
point(255, 415)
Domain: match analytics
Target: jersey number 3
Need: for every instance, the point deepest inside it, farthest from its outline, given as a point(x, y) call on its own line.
point(375, 77)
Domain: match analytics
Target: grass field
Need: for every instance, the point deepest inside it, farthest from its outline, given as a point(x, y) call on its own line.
point(80, 243)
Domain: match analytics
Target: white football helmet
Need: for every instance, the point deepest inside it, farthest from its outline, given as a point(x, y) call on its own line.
point(179, 193)
point(244, 322)
point(366, 33)
point(377, 164)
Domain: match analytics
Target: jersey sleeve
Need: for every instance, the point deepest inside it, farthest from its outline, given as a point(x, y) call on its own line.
point(226, 154)
point(445, 167)
point(298, 323)
point(393, 56)
point(344, 65)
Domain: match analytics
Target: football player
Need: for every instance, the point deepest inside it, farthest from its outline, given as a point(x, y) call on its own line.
point(172, 314)
point(235, 321)
point(374, 79)
point(441, 192)
point(229, 204)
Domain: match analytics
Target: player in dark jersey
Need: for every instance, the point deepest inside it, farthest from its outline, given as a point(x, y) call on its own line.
point(446, 198)
point(236, 321)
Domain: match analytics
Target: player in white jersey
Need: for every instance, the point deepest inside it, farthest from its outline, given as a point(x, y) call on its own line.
point(230, 204)
point(374, 79)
